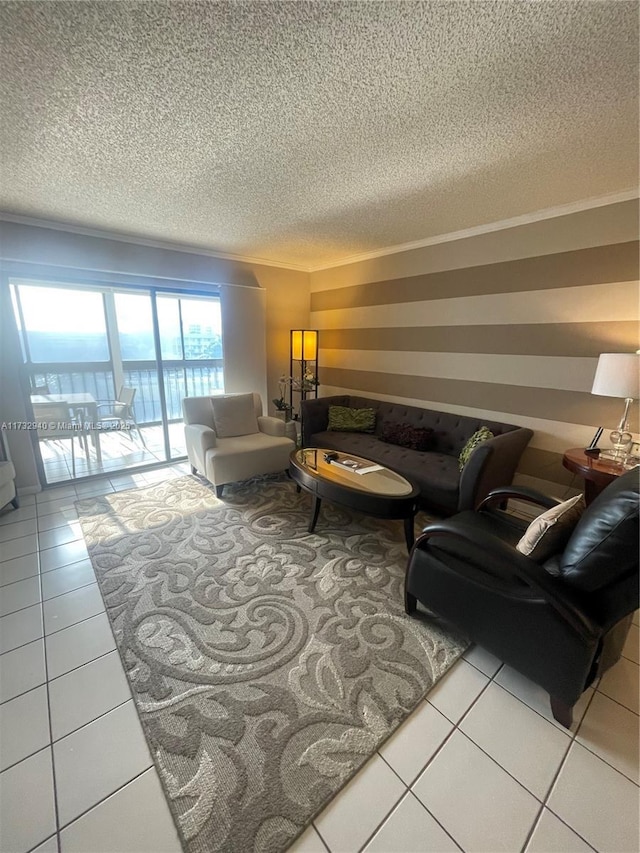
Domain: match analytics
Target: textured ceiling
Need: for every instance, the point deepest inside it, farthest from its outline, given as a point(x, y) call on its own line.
point(307, 132)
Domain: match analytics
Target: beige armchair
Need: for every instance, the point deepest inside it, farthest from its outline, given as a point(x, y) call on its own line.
point(229, 439)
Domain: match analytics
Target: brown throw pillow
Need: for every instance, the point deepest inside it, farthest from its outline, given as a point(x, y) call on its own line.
point(549, 533)
point(405, 435)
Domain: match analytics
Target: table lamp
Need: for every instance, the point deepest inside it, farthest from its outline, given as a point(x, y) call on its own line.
point(618, 375)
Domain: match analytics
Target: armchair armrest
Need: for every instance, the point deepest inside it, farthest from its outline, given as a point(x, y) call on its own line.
point(521, 493)
point(492, 464)
point(271, 426)
point(507, 561)
point(199, 438)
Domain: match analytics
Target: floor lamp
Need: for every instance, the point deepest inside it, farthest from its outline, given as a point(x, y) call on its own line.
point(303, 353)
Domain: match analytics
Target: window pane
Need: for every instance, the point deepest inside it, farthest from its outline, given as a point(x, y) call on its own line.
point(169, 326)
point(135, 326)
point(64, 325)
point(202, 328)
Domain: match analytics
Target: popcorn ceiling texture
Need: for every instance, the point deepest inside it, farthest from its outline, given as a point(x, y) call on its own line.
point(304, 133)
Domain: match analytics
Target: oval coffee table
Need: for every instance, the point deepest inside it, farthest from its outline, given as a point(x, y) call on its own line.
point(381, 493)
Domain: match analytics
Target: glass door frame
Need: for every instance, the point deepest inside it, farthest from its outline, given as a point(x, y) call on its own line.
point(16, 273)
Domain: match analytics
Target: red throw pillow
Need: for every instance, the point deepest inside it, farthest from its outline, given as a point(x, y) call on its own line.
point(405, 435)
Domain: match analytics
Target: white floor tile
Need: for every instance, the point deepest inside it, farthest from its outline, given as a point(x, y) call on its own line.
point(64, 505)
point(55, 494)
point(76, 756)
point(48, 846)
point(414, 743)
point(475, 800)
point(78, 644)
point(94, 488)
point(16, 515)
point(599, 803)
point(67, 579)
point(551, 835)
point(631, 648)
point(411, 829)
point(27, 814)
point(20, 628)
point(537, 698)
point(622, 683)
point(14, 548)
point(59, 535)
point(57, 519)
point(482, 660)
point(63, 555)
point(611, 731)
point(457, 690)
point(377, 786)
point(17, 530)
point(308, 842)
point(18, 569)
point(527, 746)
point(22, 670)
point(16, 596)
point(24, 726)
point(115, 825)
point(66, 610)
point(86, 693)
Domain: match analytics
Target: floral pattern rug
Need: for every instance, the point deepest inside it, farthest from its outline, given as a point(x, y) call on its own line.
point(267, 663)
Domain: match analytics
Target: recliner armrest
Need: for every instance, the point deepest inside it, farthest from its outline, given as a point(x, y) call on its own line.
point(507, 560)
point(521, 493)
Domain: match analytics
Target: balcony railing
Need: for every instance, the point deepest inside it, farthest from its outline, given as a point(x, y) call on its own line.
point(181, 379)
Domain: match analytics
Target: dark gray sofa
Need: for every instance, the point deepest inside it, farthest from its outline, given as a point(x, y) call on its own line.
point(444, 488)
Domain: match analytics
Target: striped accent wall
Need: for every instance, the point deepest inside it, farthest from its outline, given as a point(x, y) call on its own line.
point(512, 340)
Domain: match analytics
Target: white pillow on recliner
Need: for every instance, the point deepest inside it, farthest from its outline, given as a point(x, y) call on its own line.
point(234, 415)
point(549, 533)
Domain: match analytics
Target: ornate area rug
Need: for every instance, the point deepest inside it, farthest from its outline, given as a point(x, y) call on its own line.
point(267, 663)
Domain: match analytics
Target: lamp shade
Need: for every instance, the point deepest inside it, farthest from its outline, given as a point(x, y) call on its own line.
point(617, 375)
point(304, 344)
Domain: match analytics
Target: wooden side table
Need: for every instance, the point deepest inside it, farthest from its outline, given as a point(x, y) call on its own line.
point(597, 473)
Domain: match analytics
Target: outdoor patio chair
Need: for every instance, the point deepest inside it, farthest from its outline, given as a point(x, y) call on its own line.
point(57, 423)
point(120, 414)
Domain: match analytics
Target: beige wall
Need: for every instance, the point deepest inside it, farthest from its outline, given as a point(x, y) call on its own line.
point(508, 325)
point(283, 302)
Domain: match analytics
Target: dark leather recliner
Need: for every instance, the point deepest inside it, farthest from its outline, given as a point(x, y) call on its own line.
point(561, 623)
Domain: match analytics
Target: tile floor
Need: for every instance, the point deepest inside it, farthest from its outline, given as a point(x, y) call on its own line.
point(479, 766)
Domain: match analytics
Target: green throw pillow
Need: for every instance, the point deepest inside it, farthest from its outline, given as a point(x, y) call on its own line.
point(482, 435)
point(345, 419)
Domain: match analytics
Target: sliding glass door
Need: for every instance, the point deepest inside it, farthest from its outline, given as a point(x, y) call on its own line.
point(121, 360)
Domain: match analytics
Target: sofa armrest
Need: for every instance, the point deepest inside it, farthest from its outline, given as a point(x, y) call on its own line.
point(492, 464)
point(271, 426)
point(199, 438)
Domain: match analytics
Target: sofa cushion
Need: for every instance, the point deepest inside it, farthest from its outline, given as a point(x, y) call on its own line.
point(346, 419)
point(480, 436)
point(405, 435)
point(549, 532)
point(234, 415)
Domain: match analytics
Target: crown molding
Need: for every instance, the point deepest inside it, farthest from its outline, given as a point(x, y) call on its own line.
point(477, 230)
point(144, 241)
point(474, 231)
